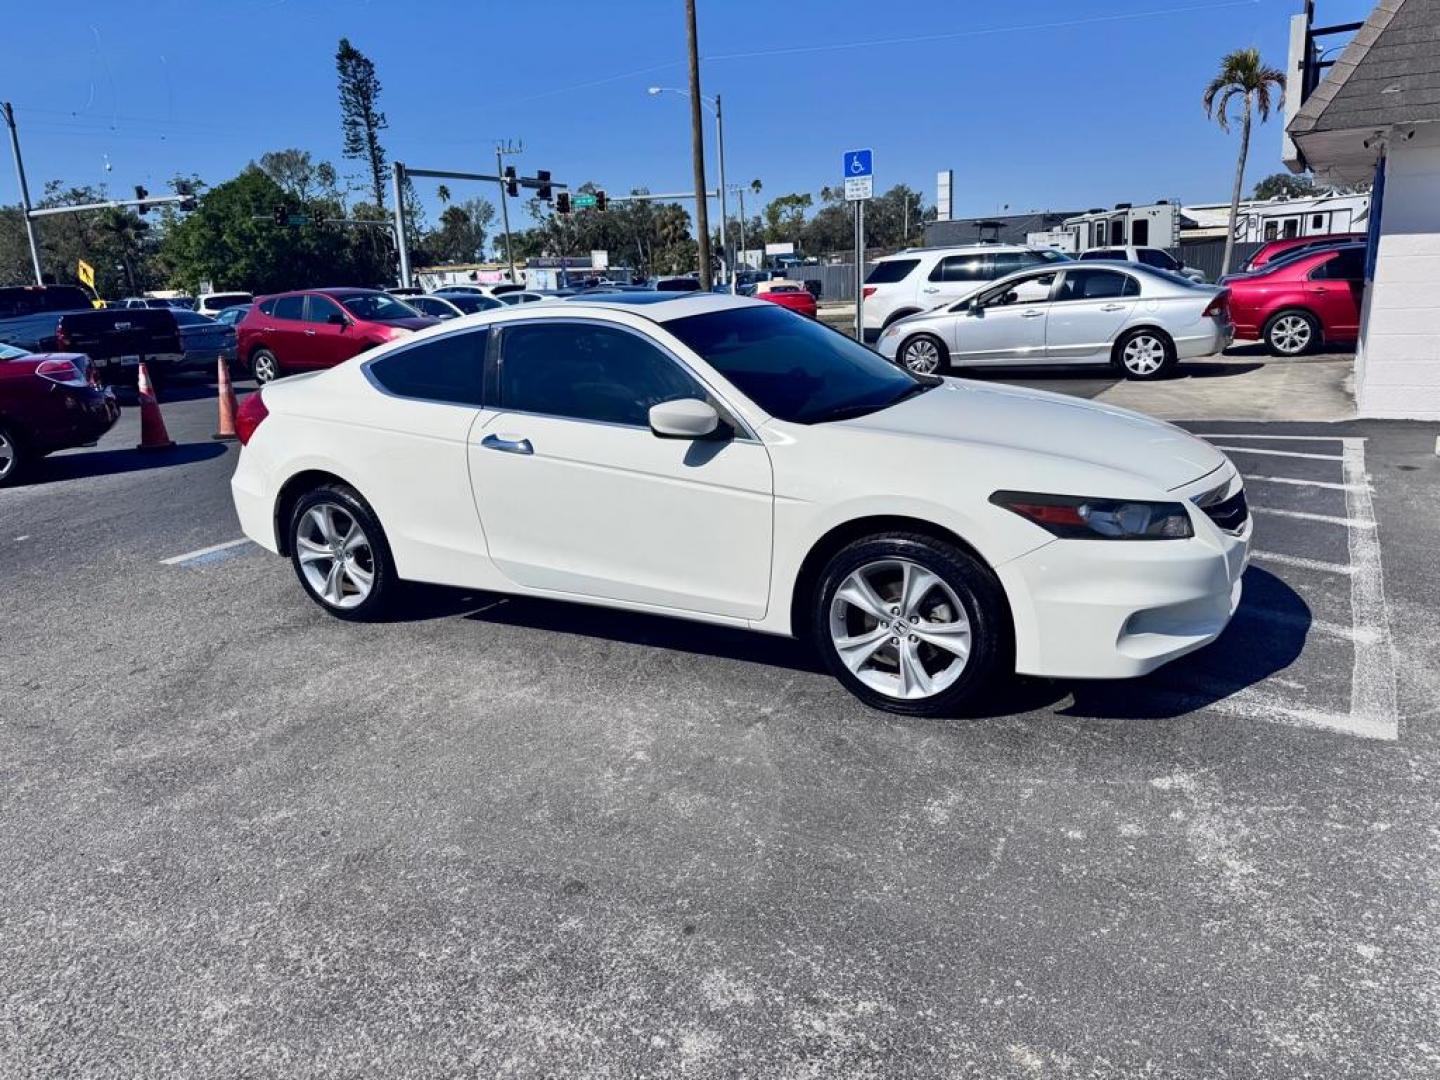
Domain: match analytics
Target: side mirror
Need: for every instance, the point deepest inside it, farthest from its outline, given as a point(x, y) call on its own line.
point(336, 319)
point(685, 418)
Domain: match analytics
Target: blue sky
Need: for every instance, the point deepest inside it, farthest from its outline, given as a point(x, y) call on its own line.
point(1034, 103)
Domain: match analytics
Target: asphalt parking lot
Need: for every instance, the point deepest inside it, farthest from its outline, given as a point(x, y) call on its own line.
point(501, 837)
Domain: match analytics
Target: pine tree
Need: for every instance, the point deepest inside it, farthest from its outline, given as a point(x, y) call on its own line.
point(360, 117)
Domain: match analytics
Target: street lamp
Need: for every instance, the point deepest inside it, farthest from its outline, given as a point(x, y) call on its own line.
point(714, 106)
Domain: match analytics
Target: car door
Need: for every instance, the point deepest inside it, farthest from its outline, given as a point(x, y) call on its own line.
point(1003, 325)
point(953, 277)
point(1089, 308)
point(578, 496)
point(1335, 289)
point(330, 336)
point(285, 333)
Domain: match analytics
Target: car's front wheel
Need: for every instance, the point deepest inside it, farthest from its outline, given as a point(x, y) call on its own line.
point(340, 554)
point(12, 457)
point(924, 354)
point(1145, 354)
point(909, 623)
point(264, 366)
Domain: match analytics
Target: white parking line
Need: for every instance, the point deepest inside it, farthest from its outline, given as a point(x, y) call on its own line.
point(1293, 438)
point(1329, 486)
point(1303, 563)
point(1278, 453)
point(1305, 622)
point(1304, 515)
point(176, 560)
point(1372, 682)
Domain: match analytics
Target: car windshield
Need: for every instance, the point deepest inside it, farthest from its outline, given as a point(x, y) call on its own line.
point(377, 307)
point(220, 301)
point(795, 368)
point(470, 303)
point(11, 352)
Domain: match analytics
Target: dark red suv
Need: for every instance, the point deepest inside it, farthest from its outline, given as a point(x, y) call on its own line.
point(319, 328)
point(48, 402)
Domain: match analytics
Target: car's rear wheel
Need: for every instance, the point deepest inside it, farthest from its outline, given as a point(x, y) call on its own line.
point(909, 623)
point(12, 457)
point(340, 554)
point(264, 366)
point(1292, 333)
point(1145, 354)
point(924, 354)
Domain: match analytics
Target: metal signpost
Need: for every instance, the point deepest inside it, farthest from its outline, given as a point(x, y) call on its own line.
point(859, 186)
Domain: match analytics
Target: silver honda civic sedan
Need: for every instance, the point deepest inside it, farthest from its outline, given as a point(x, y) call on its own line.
point(1140, 320)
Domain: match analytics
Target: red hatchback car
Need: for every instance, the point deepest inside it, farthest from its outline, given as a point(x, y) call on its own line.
point(319, 328)
point(48, 402)
point(1298, 303)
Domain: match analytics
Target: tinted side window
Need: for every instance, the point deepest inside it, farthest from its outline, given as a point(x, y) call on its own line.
point(319, 309)
point(1156, 257)
point(891, 271)
point(1097, 285)
point(1346, 266)
point(586, 371)
point(449, 368)
point(1099, 253)
point(267, 307)
point(962, 268)
point(289, 307)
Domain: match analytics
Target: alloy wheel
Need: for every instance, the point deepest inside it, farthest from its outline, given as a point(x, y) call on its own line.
point(8, 456)
point(335, 555)
point(264, 368)
point(1143, 354)
point(922, 357)
point(1290, 335)
point(900, 629)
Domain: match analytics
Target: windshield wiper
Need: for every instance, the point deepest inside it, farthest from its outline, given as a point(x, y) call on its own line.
point(850, 412)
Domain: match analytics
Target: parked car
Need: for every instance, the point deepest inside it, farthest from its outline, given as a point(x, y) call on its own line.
point(515, 298)
point(203, 341)
point(181, 303)
point(28, 313)
point(1140, 320)
point(60, 318)
point(1295, 245)
point(677, 284)
point(231, 316)
point(788, 294)
point(213, 303)
point(319, 328)
point(468, 302)
point(677, 455)
point(497, 289)
point(1294, 305)
point(405, 292)
point(48, 402)
point(921, 278)
point(1159, 258)
point(437, 307)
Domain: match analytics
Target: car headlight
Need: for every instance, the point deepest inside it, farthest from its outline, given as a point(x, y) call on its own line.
point(1076, 517)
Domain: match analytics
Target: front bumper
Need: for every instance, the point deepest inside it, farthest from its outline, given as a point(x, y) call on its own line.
point(1109, 609)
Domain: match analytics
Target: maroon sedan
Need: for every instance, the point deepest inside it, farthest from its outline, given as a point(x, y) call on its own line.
point(319, 328)
point(1295, 304)
point(48, 402)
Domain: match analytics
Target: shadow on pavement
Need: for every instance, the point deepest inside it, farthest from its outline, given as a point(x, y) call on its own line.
point(1208, 369)
point(76, 466)
point(1266, 636)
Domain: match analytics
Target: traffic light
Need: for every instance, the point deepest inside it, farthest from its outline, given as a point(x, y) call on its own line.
point(186, 190)
point(278, 215)
point(142, 195)
point(600, 200)
point(562, 203)
point(542, 178)
point(512, 183)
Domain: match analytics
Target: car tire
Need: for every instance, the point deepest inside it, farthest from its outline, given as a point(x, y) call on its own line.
point(1144, 354)
point(1292, 333)
point(923, 354)
point(14, 459)
point(352, 579)
point(264, 367)
point(956, 608)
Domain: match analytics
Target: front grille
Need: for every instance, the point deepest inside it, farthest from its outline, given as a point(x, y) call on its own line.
point(1231, 514)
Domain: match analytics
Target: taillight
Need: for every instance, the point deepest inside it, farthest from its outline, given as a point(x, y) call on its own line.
point(247, 418)
point(64, 372)
point(1218, 306)
point(867, 291)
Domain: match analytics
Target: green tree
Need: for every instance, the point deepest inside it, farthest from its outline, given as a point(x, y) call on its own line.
point(785, 217)
point(1245, 76)
point(361, 120)
point(1284, 185)
point(461, 235)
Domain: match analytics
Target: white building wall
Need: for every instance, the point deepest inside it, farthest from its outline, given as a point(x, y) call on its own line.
point(1397, 366)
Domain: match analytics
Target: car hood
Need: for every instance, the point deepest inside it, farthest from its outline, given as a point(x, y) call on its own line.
point(1052, 424)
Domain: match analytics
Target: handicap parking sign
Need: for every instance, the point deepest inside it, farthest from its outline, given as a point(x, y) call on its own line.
point(857, 164)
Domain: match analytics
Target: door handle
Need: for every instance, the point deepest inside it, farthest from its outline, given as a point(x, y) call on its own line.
point(507, 446)
point(929, 289)
point(1113, 307)
point(1031, 314)
point(309, 333)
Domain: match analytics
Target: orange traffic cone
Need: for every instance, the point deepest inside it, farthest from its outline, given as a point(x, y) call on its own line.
point(227, 404)
point(153, 435)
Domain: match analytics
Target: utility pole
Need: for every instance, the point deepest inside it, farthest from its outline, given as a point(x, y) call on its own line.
point(24, 190)
point(724, 215)
point(402, 245)
point(740, 193)
point(500, 152)
point(697, 150)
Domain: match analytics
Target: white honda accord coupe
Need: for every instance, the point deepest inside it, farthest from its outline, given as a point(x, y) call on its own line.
point(725, 460)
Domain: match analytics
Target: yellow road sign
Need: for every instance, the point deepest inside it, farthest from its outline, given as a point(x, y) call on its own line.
point(86, 273)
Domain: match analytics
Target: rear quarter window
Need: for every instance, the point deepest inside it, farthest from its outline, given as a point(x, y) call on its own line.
point(447, 369)
point(267, 307)
point(890, 271)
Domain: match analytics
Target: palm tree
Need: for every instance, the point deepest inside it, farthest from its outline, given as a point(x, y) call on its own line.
point(1242, 74)
point(442, 193)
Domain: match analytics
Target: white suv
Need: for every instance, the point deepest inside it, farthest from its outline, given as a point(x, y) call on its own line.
point(1159, 258)
point(919, 279)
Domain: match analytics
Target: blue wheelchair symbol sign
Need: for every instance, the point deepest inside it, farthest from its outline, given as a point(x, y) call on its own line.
point(857, 163)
